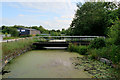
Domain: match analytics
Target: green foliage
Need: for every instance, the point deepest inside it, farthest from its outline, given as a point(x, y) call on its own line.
point(13, 32)
point(71, 47)
point(6, 34)
point(10, 30)
point(97, 43)
point(93, 18)
point(93, 53)
point(79, 49)
point(41, 29)
point(55, 34)
point(82, 50)
point(112, 53)
point(114, 33)
point(63, 31)
point(11, 47)
point(37, 35)
point(9, 38)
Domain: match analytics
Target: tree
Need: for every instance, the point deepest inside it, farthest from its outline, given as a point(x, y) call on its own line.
point(91, 18)
point(114, 33)
point(13, 32)
point(18, 26)
point(63, 31)
point(43, 30)
point(3, 27)
point(58, 30)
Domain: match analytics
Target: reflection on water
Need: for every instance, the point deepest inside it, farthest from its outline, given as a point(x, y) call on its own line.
point(44, 64)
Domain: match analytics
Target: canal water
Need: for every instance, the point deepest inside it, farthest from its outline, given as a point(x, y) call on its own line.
point(44, 64)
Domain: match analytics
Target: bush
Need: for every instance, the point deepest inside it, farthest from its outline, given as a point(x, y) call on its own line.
point(93, 53)
point(112, 53)
point(97, 43)
point(9, 38)
point(72, 47)
point(114, 33)
point(82, 50)
point(79, 49)
point(29, 35)
point(37, 35)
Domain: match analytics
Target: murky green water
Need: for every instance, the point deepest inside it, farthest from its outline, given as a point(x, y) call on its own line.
point(44, 64)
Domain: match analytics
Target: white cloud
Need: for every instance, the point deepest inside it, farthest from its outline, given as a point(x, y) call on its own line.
point(21, 15)
point(56, 7)
point(29, 21)
point(63, 11)
point(68, 16)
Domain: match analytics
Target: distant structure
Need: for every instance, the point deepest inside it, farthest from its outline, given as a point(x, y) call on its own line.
point(26, 31)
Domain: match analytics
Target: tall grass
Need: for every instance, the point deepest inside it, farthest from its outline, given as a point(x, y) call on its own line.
point(11, 47)
point(79, 49)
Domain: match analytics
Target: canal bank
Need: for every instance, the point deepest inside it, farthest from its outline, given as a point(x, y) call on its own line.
point(44, 64)
point(11, 50)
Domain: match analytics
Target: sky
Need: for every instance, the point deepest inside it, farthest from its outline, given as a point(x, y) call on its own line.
point(51, 14)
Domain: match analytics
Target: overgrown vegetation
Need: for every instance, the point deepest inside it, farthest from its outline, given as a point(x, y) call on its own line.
point(100, 48)
point(11, 47)
point(80, 49)
point(112, 49)
point(97, 43)
point(9, 38)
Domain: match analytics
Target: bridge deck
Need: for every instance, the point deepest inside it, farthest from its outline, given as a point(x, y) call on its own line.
point(58, 44)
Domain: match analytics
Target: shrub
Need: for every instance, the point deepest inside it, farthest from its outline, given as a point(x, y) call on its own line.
point(97, 43)
point(29, 36)
point(72, 47)
point(9, 38)
point(114, 33)
point(103, 52)
point(93, 53)
point(37, 35)
point(79, 49)
point(112, 53)
point(82, 50)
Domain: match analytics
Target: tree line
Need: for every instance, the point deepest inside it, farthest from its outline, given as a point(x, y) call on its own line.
point(14, 33)
point(94, 18)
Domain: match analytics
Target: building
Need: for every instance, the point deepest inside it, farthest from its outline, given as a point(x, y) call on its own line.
point(26, 31)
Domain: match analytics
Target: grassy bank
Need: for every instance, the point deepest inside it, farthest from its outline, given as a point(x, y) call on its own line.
point(12, 47)
point(6, 38)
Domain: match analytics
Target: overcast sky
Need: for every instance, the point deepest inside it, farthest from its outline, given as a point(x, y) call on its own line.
point(51, 14)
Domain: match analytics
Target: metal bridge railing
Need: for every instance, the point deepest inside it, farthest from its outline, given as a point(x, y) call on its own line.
point(69, 38)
